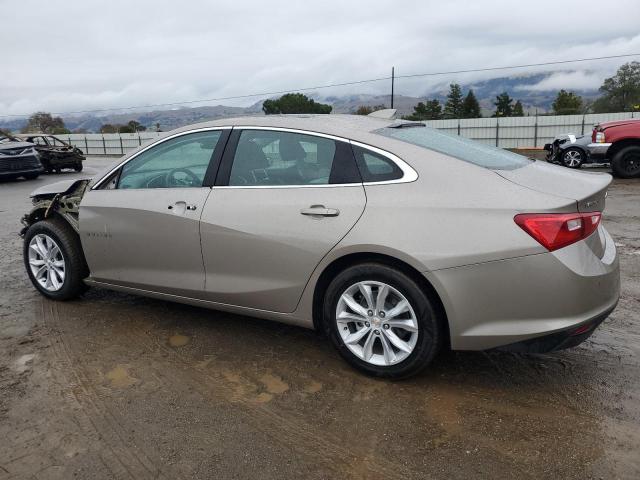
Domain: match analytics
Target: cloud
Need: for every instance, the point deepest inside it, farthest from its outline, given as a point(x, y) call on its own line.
point(578, 80)
point(75, 56)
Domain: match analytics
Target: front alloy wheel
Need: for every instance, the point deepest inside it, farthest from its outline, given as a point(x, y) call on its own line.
point(377, 323)
point(46, 262)
point(572, 158)
point(54, 259)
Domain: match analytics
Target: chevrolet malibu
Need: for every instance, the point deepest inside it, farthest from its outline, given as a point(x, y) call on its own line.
point(394, 239)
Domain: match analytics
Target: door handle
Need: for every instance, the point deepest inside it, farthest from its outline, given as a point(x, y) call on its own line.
point(180, 207)
point(320, 211)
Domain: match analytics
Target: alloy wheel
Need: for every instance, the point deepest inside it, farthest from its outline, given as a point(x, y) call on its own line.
point(572, 158)
point(46, 262)
point(377, 323)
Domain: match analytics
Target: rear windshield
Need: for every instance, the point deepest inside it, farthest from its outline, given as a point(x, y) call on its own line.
point(459, 147)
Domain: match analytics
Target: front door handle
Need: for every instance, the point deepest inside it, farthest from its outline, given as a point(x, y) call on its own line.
point(320, 211)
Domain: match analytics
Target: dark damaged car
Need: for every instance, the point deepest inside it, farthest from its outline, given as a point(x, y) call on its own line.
point(18, 159)
point(55, 154)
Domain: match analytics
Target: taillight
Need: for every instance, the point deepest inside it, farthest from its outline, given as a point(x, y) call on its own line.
point(600, 137)
point(557, 230)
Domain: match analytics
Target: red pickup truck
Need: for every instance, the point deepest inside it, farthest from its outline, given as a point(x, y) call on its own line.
point(619, 143)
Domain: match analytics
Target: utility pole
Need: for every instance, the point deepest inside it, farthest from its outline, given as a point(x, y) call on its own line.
point(393, 77)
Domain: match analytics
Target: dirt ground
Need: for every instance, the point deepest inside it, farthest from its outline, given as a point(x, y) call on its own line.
point(116, 386)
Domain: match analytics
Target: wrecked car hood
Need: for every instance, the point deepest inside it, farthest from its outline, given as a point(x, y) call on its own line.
point(61, 187)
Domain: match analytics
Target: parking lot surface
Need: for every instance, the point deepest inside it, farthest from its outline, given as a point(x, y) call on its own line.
point(117, 386)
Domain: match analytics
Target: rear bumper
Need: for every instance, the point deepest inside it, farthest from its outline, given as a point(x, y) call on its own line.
point(598, 151)
point(559, 340)
point(506, 302)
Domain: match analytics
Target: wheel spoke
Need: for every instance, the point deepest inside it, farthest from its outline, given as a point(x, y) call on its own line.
point(36, 262)
point(397, 341)
point(368, 296)
point(408, 324)
point(367, 350)
point(353, 305)
point(356, 336)
point(53, 276)
point(401, 307)
point(40, 271)
point(387, 350)
point(383, 291)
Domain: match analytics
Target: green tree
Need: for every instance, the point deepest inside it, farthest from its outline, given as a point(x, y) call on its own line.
point(109, 128)
point(432, 110)
point(43, 122)
point(294, 103)
point(620, 93)
point(470, 106)
point(367, 109)
point(136, 126)
point(567, 103)
point(504, 105)
point(453, 106)
point(518, 111)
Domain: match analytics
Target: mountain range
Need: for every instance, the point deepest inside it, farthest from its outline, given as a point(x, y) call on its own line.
point(486, 91)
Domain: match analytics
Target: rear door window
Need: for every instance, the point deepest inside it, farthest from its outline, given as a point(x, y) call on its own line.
point(280, 158)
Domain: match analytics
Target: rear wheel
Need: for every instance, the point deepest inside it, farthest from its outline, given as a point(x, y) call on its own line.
point(381, 321)
point(626, 163)
point(573, 158)
point(54, 260)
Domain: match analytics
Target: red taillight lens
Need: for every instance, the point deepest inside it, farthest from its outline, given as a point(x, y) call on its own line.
point(557, 230)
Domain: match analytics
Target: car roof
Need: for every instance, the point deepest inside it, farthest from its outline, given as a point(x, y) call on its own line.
point(354, 127)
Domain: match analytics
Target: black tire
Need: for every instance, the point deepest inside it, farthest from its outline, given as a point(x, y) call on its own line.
point(78, 167)
point(67, 240)
point(569, 157)
point(626, 163)
point(31, 176)
point(430, 332)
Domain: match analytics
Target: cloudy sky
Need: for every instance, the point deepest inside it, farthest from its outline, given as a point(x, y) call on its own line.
point(81, 55)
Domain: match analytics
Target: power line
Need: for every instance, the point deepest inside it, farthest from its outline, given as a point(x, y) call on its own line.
point(332, 85)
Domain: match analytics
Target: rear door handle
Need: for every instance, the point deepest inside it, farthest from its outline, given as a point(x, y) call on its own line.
point(320, 211)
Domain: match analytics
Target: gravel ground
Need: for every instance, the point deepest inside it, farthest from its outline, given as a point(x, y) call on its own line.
point(116, 386)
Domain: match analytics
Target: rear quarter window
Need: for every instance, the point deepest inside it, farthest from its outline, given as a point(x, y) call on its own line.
point(375, 167)
point(459, 147)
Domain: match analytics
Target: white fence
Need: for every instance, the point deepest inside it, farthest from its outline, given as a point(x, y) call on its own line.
point(512, 132)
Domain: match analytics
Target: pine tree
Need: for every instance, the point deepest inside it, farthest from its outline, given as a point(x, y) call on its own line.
point(432, 110)
point(453, 107)
point(504, 105)
point(518, 111)
point(470, 106)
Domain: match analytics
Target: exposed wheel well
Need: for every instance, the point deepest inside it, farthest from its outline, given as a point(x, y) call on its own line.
point(356, 258)
point(617, 146)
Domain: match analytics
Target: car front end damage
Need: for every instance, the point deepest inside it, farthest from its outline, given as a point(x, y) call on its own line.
point(61, 199)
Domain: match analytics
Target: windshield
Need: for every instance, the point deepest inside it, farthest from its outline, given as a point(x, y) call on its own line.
point(459, 147)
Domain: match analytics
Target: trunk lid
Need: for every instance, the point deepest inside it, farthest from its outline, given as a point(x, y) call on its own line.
point(587, 189)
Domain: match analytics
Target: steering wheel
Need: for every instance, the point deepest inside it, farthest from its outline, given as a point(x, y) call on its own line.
point(172, 181)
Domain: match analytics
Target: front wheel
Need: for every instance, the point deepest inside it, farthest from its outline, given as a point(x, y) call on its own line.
point(573, 158)
point(381, 321)
point(78, 167)
point(626, 163)
point(54, 260)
